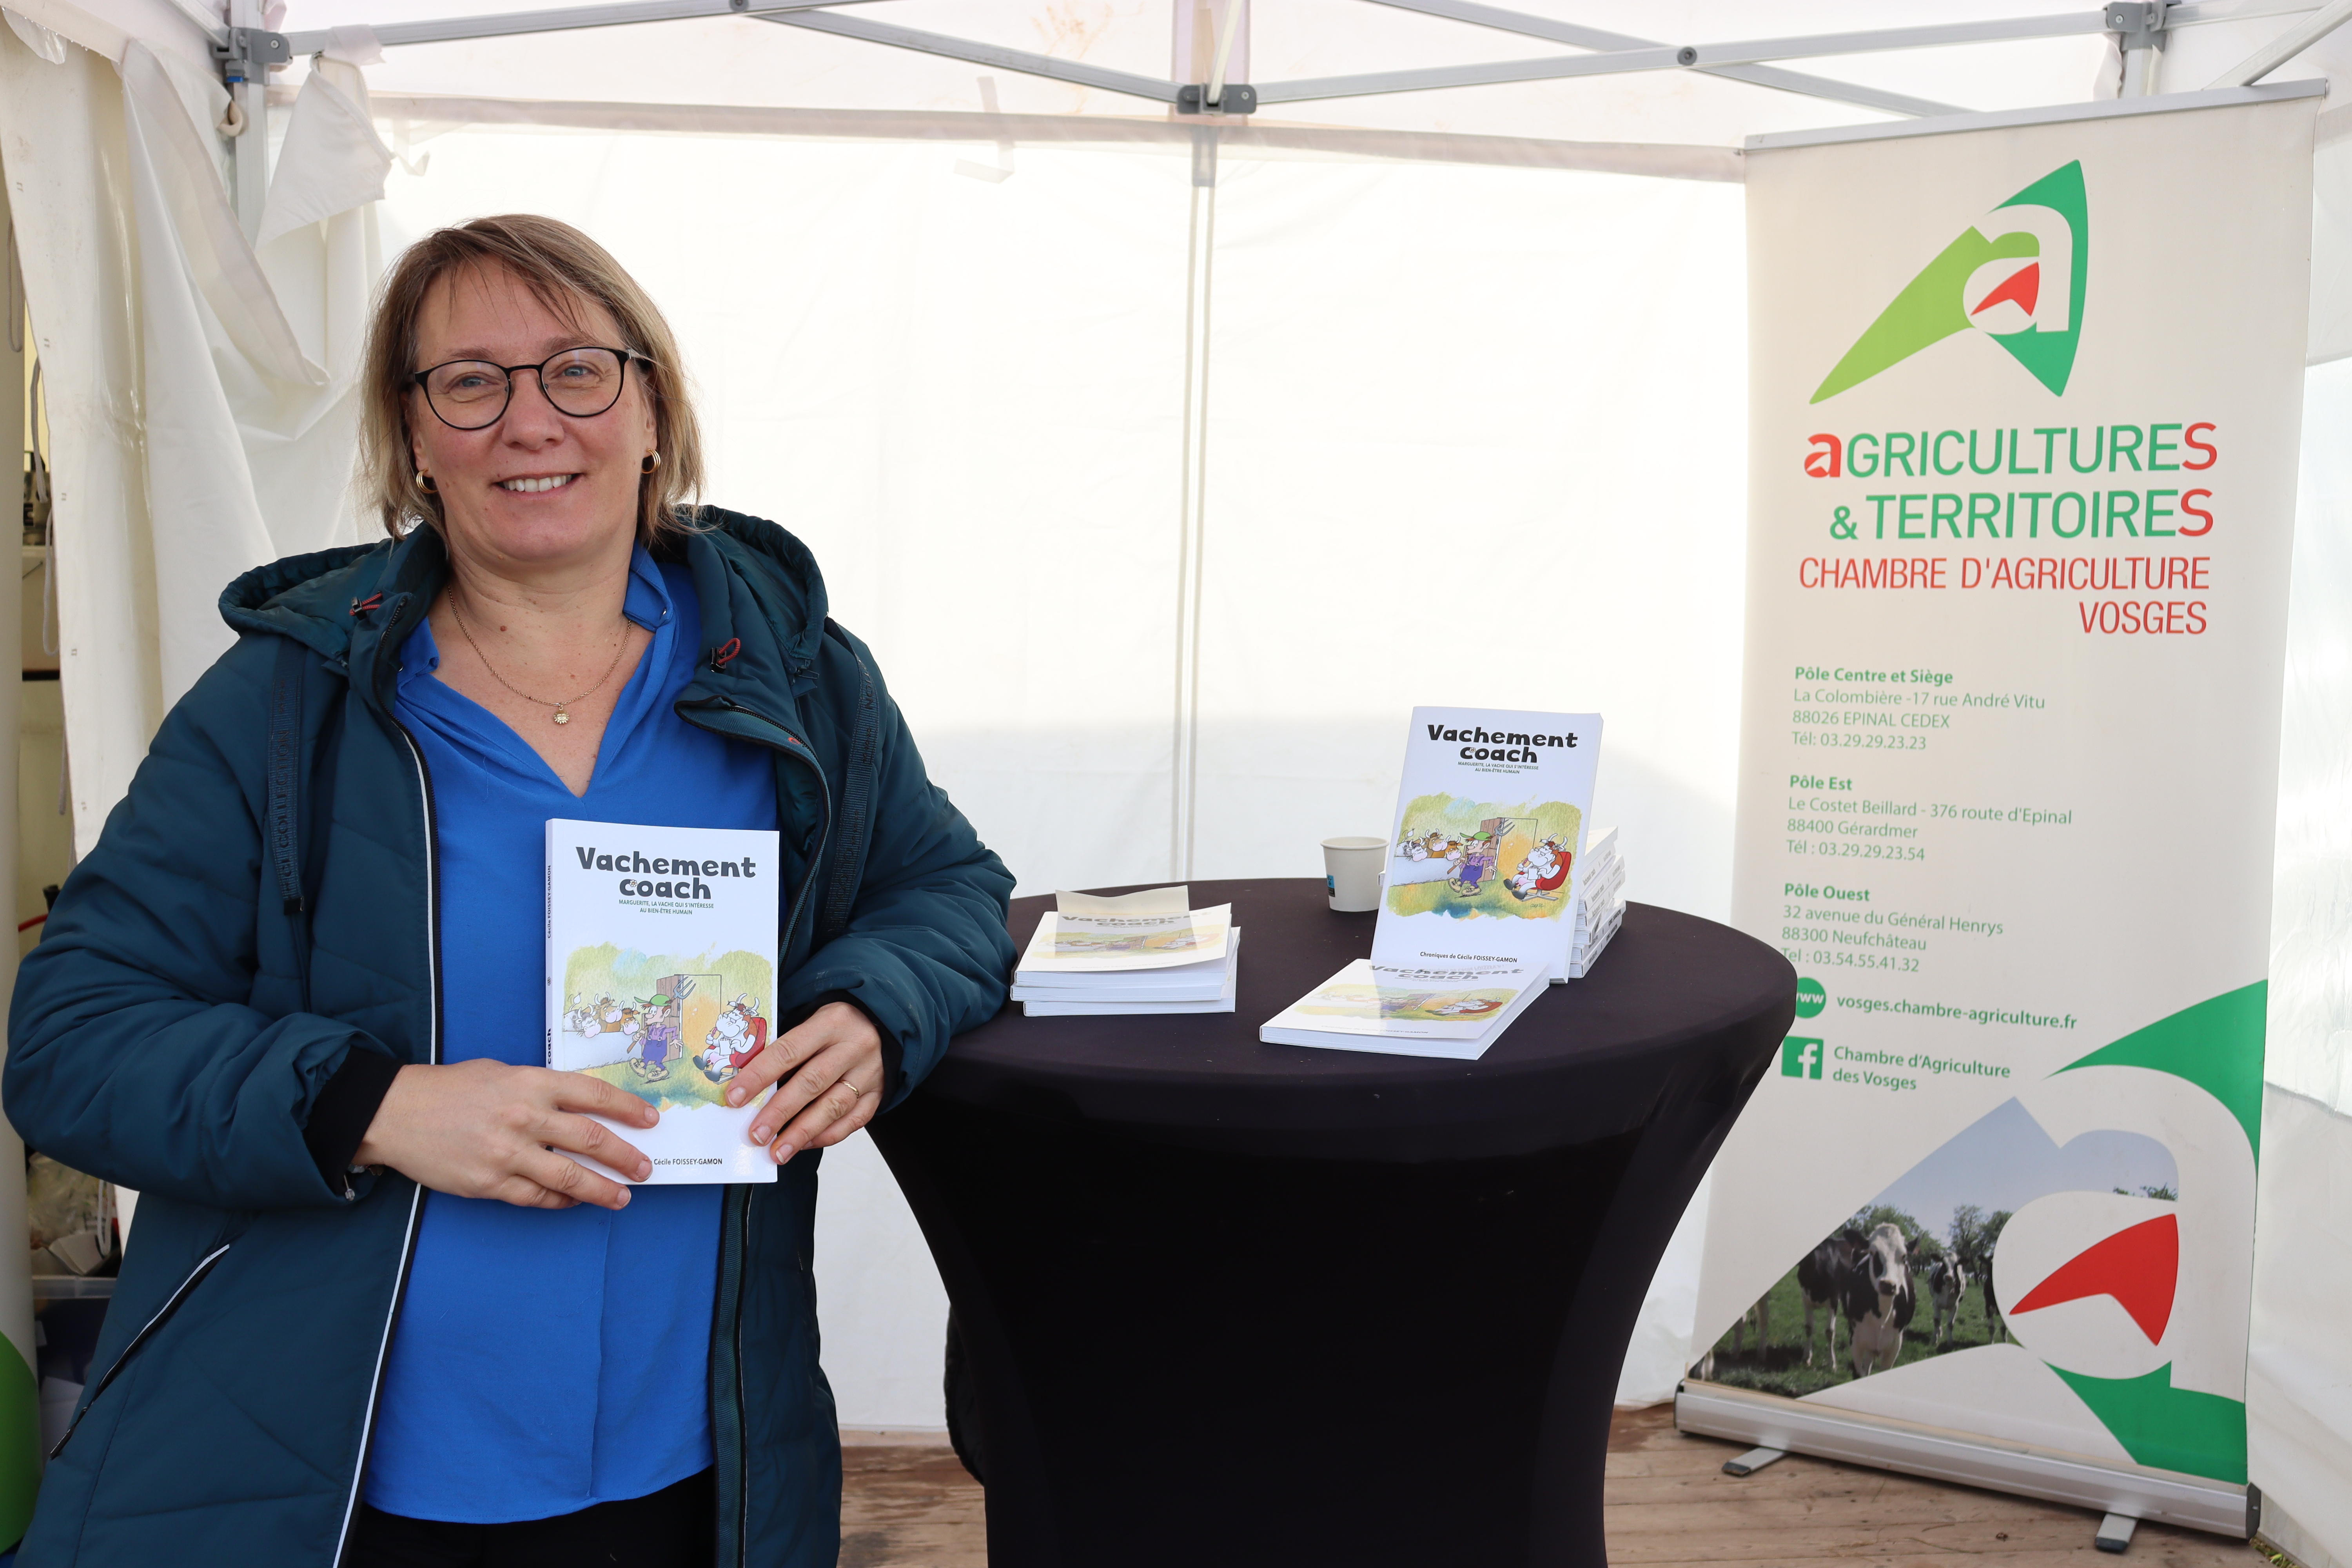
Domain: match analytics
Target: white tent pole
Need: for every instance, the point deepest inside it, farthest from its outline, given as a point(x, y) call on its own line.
point(1687, 56)
point(1613, 53)
point(1002, 59)
point(2139, 26)
point(559, 19)
point(248, 97)
point(2286, 46)
point(1215, 96)
point(1583, 38)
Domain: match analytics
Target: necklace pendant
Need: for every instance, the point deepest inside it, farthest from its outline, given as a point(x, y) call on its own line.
point(561, 717)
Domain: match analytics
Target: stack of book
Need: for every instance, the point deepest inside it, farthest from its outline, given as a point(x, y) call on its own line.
point(1142, 953)
point(1490, 895)
point(1600, 885)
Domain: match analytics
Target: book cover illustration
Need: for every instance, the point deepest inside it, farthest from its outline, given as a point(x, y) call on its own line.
point(1085, 942)
point(670, 1030)
point(1439, 1003)
point(1464, 858)
point(661, 980)
point(1402, 1003)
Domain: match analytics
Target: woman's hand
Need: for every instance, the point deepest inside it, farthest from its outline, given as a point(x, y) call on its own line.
point(484, 1130)
point(834, 1085)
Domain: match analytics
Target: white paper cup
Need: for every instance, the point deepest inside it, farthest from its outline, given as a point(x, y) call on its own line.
point(1351, 872)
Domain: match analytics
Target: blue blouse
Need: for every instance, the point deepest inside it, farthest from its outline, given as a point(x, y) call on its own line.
point(550, 1359)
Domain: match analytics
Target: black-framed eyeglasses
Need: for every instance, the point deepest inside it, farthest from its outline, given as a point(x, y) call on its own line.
point(473, 393)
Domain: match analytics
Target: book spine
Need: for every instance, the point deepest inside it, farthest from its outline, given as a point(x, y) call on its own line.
point(551, 1002)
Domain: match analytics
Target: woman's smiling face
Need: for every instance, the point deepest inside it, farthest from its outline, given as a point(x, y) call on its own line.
point(539, 488)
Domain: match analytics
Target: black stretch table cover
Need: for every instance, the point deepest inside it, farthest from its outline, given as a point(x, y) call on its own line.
point(1231, 1303)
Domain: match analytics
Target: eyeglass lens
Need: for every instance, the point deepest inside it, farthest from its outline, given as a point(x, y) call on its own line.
point(471, 393)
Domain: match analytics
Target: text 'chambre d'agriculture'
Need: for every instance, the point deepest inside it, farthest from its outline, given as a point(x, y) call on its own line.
point(2016, 538)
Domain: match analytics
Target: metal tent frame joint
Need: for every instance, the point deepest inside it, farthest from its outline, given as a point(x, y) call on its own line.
point(1240, 98)
point(2138, 24)
point(239, 49)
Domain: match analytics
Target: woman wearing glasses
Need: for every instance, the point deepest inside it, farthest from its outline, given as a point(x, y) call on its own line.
point(376, 1315)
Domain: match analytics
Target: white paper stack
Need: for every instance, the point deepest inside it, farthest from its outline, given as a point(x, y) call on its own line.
point(1140, 952)
point(1600, 892)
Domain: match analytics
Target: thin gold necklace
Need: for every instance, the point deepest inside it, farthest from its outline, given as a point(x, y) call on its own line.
point(561, 717)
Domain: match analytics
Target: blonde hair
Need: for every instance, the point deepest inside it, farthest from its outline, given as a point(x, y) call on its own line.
point(563, 268)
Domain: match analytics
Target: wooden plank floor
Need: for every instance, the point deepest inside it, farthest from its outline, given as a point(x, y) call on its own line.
point(1668, 1504)
point(915, 1507)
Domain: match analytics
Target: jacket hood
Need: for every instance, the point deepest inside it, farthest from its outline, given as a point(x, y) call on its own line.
point(347, 604)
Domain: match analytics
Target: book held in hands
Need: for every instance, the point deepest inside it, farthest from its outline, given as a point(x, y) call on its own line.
point(661, 980)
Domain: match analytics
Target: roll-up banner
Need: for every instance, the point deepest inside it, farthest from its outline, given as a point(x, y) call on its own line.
point(2025, 403)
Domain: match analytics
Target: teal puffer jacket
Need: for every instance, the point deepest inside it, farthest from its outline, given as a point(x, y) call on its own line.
point(246, 936)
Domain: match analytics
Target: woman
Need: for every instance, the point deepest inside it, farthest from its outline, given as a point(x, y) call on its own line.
point(375, 1314)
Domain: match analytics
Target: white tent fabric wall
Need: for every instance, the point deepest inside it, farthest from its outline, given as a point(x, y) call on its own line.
point(2299, 1374)
point(62, 140)
point(1436, 469)
point(1475, 435)
point(177, 378)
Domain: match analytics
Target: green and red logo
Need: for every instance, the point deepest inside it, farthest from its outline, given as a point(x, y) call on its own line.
point(2016, 274)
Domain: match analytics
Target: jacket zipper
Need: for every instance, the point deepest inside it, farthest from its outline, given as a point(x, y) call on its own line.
point(743, 1236)
point(417, 1198)
point(171, 1305)
point(825, 788)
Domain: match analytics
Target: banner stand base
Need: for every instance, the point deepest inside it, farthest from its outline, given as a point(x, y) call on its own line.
point(1715, 1410)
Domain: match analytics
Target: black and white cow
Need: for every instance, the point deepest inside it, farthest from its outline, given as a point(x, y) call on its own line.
point(1760, 1315)
point(1948, 1281)
point(1822, 1277)
point(1878, 1300)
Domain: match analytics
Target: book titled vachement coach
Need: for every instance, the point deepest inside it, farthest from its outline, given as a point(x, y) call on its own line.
point(661, 980)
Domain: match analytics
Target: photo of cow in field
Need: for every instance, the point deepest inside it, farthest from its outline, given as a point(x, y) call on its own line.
point(1879, 1300)
point(1878, 1274)
point(1910, 1277)
point(1821, 1277)
point(1946, 1278)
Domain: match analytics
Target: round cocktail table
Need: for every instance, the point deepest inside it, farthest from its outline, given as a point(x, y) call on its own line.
point(1227, 1304)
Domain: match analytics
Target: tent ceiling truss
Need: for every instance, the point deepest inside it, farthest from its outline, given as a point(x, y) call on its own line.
point(2139, 24)
point(2139, 27)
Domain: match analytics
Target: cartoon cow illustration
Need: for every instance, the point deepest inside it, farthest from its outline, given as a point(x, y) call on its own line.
point(1540, 876)
point(740, 1034)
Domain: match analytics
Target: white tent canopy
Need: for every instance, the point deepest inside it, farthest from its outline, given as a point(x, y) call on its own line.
point(1126, 435)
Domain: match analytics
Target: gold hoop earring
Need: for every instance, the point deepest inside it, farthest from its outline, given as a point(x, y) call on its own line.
point(425, 482)
point(653, 461)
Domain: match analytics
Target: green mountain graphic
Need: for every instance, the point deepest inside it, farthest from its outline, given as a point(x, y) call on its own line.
point(1932, 305)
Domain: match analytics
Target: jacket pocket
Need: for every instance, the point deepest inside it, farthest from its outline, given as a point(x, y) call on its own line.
point(147, 1330)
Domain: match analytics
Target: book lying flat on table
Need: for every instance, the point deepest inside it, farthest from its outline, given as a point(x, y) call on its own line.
point(1139, 953)
point(661, 980)
point(1438, 1010)
point(1478, 909)
point(1204, 987)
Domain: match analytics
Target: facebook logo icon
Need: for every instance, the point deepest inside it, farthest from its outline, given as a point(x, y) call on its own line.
point(1801, 1057)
